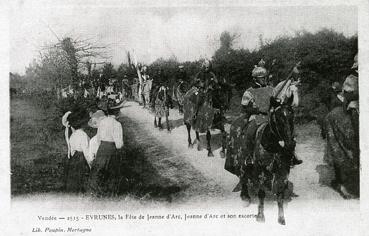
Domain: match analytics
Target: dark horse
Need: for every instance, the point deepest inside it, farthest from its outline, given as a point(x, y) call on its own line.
point(210, 114)
point(270, 167)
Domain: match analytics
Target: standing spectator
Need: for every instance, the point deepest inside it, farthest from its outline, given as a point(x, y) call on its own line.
point(105, 167)
point(77, 168)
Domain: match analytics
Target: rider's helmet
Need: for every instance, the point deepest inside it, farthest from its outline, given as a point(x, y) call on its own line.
point(206, 65)
point(144, 69)
point(259, 73)
point(181, 68)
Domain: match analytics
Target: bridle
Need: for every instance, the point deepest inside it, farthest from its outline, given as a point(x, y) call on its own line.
point(273, 123)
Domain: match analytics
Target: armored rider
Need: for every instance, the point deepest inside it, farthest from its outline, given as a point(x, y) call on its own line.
point(256, 102)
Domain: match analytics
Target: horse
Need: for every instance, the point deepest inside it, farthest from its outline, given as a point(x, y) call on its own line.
point(160, 104)
point(342, 150)
point(210, 115)
point(270, 165)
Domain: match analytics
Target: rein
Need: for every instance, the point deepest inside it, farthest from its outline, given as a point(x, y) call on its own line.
point(272, 119)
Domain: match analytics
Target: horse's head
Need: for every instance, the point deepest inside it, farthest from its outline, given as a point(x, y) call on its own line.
point(221, 95)
point(281, 121)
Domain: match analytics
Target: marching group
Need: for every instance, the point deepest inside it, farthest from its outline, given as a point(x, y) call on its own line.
point(92, 163)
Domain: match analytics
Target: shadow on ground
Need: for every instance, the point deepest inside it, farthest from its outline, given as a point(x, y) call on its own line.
point(38, 167)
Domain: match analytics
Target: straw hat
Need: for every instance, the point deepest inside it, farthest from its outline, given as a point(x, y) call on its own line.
point(78, 118)
point(65, 118)
point(96, 118)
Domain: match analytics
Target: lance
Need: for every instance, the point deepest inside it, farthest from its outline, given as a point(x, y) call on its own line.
point(137, 69)
point(289, 77)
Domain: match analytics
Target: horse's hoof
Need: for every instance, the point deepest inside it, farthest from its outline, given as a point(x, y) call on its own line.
point(210, 154)
point(246, 200)
point(345, 194)
point(281, 221)
point(169, 131)
point(198, 147)
point(190, 145)
point(222, 154)
point(260, 218)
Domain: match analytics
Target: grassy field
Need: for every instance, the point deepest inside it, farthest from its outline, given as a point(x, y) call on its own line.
point(36, 148)
point(38, 155)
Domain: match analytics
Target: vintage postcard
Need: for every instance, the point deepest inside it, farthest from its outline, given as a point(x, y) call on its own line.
point(184, 117)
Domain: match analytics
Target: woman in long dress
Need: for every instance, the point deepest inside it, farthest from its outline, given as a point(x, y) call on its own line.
point(77, 168)
point(105, 167)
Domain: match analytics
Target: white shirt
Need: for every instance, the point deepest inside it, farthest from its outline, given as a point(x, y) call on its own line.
point(79, 141)
point(289, 89)
point(93, 147)
point(110, 130)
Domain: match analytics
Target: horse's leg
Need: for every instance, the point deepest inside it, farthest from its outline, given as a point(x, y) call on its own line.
point(188, 126)
point(167, 122)
point(224, 141)
point(143, 100)
point(155, 124)
point(339, 182)
point(208, 139)
point(160, 126)
point(245, 191)
point(261, 195)
point(280, 197)
point(197, 141)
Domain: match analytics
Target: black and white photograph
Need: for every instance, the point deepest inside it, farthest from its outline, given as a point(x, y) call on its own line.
point(184, 118)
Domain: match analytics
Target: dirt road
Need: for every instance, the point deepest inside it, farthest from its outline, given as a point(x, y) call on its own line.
point(180, 180)
point(316, 200)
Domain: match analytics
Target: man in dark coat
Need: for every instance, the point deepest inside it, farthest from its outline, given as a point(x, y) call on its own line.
point(206, 82)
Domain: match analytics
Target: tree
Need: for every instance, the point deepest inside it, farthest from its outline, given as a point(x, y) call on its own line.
point(68, 61)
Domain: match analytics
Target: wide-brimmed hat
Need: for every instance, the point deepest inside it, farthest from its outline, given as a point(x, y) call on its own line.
point(65, 118)
point(96, 118)
point(103, 104)
point(106, 104)
point(78, 118)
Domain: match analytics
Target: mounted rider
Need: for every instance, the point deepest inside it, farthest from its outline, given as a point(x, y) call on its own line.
point(206, 82)
point(181, 88)
point(144, 78)
point(350, 98)
point(260, 98)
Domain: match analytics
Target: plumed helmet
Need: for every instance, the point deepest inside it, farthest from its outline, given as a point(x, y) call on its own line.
point(259, 72)
point(261, 63)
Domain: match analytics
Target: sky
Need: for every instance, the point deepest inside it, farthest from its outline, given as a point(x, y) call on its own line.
point(186, 32)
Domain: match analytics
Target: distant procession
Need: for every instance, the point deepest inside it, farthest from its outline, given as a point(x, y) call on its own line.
point(210, 113)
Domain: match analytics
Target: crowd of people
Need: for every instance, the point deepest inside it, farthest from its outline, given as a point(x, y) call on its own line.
point(92, 163)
